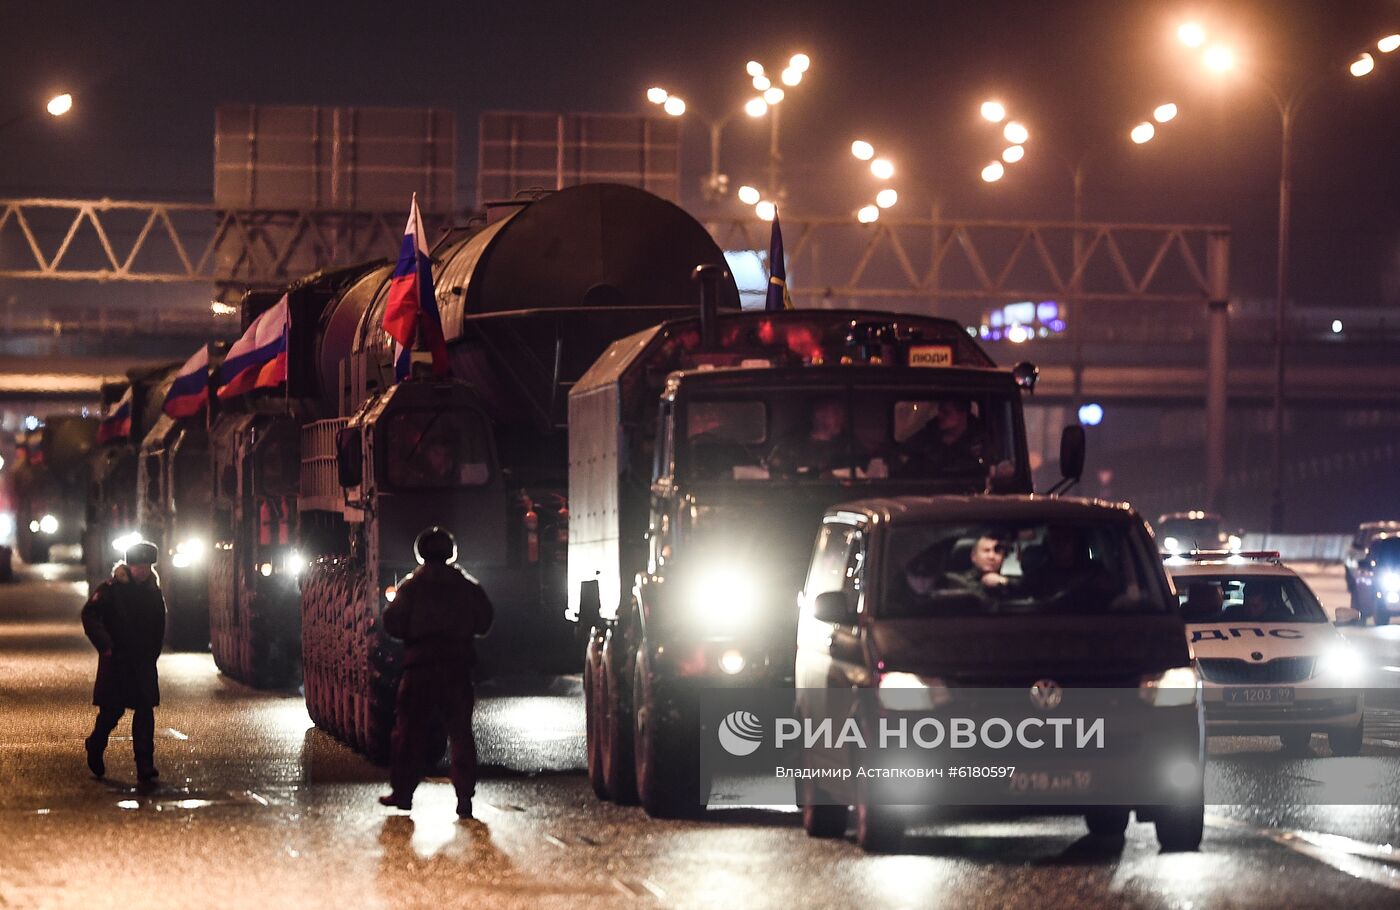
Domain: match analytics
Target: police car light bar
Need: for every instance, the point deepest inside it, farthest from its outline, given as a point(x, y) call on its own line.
point(1210, 555)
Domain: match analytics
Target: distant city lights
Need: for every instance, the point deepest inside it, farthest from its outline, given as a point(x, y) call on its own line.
point(1336, 327)
point(1022, 321)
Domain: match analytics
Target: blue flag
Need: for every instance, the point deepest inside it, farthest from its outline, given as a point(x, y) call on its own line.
point(778, 297)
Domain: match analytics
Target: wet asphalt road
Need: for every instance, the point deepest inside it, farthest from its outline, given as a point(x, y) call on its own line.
point(257, 807)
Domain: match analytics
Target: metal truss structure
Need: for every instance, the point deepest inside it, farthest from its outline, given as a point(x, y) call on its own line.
point(833, 261)
point(108, 240)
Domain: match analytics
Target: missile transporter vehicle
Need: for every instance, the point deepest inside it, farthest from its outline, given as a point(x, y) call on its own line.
point(49, 483)
point(112, 501)
point(703, 454)
point(174, 505)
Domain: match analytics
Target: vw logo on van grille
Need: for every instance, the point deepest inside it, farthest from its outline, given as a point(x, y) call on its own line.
point(1046, 694)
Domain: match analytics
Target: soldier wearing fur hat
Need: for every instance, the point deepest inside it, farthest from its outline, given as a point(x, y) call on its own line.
point(125, 621)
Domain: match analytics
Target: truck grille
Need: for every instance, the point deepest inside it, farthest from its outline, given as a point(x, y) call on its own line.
point(1240, 672)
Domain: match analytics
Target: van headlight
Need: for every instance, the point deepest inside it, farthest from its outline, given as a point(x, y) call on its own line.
point(1340, 663)
point(1172, 688)
point(722, 596)
point(912, 692)
point(48, 525)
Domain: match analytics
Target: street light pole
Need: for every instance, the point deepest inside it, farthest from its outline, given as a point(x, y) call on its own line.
point(775, 157)
point(1285, 194)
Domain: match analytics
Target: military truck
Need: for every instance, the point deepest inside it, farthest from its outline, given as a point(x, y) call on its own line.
point(174, 504)
point(48, 483)
point(112, 520)
point(703, 453)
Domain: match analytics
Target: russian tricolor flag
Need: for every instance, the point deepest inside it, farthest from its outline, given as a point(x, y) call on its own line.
point(189, 393)
point(116, 423)
point(411, 310)
point(258, 360)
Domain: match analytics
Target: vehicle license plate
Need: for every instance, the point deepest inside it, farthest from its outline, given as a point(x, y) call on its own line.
point(1052, 781)
point(1259, 695)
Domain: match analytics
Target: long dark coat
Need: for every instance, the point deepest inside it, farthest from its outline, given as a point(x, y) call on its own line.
point(438, 611)
point(127, 619)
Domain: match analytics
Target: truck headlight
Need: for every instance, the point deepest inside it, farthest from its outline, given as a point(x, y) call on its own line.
point(122, 542)
point(1390, 581)
point(293, 563)
point(1172, 688)
point(911, 692)
point(1341, 663)
point(48, 525)
point(1172, 544)
point(723, 596)
point(188, 552)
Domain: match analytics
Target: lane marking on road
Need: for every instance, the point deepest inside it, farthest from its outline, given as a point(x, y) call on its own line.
point(176, 734)
point(1368, 862)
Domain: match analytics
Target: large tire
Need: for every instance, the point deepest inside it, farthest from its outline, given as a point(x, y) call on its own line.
point(878, 829)
point(617, 750)
point(1382, 616)
point(1296, 742)
point(821, 819)
point(1180, 828)
point(667, 751)
point(593, 715)
point(1107, 821)
point(1347, 741)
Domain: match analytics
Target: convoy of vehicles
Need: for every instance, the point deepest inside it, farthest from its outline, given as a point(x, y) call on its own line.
point(1195, 530)
point(703, 452)
point(1271, 661)
point(48, 484)
point(1066, 599)
point(1360, 542)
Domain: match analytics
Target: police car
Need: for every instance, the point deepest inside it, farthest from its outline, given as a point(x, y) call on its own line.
point(1270, 660)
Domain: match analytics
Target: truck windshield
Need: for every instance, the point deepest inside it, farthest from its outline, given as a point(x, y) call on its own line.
point(857, 435)
point(1019, 568)
point(430, 449)
point(1252, 598)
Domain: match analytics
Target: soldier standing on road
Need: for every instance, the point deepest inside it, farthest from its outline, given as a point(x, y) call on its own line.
point(437, 611)
point(125, 620)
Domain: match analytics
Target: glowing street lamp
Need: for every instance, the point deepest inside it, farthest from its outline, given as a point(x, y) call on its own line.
point(673, 106)
point(766, 210)
point(1016, 133)
point(1163, 113)
point(868, 214)
point(774, 96)
point(753, 68)
point(993, 111)
point(749, 195)
point(882, 168)
point(862, 150)
point(60, 104)
point(1219, 58)
point(993, 172)
point(756, 107)
point(1191, 34)
point(1143, 132)
point(1388, 43)
point(1013, 154)
point(1363, 65)
point(657, 95)
point(886, 198)
point(762, 83)
point(791, 77)
point(800, 62)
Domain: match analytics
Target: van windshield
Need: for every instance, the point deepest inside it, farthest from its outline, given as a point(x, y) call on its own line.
point(1019, 568)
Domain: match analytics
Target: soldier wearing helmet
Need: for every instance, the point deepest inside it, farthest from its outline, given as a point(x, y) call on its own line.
point(437, 611)
point(125, 620)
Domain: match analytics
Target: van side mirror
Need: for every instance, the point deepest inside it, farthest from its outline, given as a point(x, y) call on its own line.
point(1346, 616)
point(349, 457)
point(833, 607)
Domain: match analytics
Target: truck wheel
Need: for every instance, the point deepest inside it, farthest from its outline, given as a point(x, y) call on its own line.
point(1107, 821)
point(1382, 616)
point(819, 818)
point(593, 717)
point(667, 753)
point(1346, 741)
point(616, 727)
point(878, 829)
point(1180, 828)
point(1296, 742)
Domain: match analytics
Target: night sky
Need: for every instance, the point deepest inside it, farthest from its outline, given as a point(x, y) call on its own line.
point(909, 77)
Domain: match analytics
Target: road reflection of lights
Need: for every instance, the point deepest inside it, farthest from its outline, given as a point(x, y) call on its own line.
point(128, 804)
point(434, 824)
point(1368, 862)
point(538, 718)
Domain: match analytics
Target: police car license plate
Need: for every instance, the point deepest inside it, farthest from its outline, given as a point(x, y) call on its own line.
point(1259, 695)
point(1051, 781)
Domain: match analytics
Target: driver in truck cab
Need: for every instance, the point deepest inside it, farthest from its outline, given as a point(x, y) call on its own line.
point(823, 447)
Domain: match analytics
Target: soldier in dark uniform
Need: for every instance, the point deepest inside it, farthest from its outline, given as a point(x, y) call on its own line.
point(437, 611)
point(125, 620)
